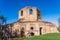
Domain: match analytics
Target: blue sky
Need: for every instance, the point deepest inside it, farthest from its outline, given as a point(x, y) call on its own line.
point(50, 9)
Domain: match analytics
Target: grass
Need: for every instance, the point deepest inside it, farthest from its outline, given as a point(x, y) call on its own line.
point(16, 39)
point(54, 36)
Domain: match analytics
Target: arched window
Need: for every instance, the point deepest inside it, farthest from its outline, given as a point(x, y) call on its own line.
point(32, 28)
point(31, 11)
point(21, 13)
point(38, 14)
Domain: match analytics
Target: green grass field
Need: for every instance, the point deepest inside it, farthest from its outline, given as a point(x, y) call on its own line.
point(54, 36)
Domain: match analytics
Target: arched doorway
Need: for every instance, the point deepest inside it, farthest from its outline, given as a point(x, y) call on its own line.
point(32, 34)
point(22, 32)
point(40, 30)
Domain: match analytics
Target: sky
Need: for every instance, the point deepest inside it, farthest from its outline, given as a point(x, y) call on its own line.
point(50, 9)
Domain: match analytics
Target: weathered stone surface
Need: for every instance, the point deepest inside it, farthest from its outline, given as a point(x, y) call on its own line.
point(27, 20)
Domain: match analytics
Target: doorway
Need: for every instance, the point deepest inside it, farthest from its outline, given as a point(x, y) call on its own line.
point(40, 30)
point(22, 32)
point(32, 34)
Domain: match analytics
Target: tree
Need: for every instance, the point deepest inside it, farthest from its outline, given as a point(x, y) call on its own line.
point(59, 21)
point(59, 24)
point(2, 22)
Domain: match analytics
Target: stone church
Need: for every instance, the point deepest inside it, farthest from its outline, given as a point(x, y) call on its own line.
point(29, 19)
